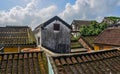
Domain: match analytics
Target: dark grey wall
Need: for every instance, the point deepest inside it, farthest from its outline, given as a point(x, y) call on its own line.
point(57, 41)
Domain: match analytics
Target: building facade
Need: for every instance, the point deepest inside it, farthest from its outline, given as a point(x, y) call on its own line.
point(54, 34)
point(76, 25)
point(109, 38)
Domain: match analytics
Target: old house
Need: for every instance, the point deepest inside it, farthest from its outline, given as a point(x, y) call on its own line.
point(114, 26)
point(54, 34)
point(15, 38)
point(76, 24)
point(23, 63)
point(109, 38)
point(99, 62)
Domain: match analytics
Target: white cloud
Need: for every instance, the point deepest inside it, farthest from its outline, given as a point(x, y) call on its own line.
point(29, 15)
point(88, 9)
point(118, 3)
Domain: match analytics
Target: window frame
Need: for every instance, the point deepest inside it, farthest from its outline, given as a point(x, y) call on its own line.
point(56, 27)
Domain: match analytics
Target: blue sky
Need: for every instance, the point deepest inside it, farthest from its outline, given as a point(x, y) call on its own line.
point(35, 12)
point(8, 4)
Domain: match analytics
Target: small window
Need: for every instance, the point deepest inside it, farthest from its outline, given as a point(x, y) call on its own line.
point(38, 40)
point(56, 27)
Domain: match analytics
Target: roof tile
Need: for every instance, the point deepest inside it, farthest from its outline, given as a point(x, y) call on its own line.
point(57, 62)
point(74, 60)
point(68, 61)
point(63, 61)
point(101, 62)
point(13, 36)
point(22, 63)
point(109, 37)
point(79, 59)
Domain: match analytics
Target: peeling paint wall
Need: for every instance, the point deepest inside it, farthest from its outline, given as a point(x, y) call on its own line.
point(57, 41)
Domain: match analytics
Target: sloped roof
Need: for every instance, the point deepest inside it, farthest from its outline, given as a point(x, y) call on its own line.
point(51, 20)
point(81, 22)
point(90, 39)
point(85, 42)
point(16, 35)
point(109, 37)
point(23, 63)
point(114, 25)
point(101, 62)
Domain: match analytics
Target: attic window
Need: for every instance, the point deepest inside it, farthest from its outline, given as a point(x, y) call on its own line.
point(56, 27)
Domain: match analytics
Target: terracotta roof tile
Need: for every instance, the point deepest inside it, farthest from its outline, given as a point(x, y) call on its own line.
point(23, 63)
point(84, 59)
point(79, 59)
point(13, 36)
point(68, 60)
point(88, 58)
point(63, 62)
point(101, 62)
point(74, 60)
point(109, 37)
point(57, 62)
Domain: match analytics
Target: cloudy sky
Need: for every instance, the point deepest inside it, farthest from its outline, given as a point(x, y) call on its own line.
point(35, 12)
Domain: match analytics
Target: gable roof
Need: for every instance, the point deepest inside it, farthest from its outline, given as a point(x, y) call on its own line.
point(51, 20)
point(23, 63)
point(16, 35)
point(109, 37)
point(101, 62)
point(81, 22)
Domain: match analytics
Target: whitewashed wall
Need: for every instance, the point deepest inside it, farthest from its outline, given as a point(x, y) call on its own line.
point(38, 34)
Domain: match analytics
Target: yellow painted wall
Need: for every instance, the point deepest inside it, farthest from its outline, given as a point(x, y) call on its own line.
point(96, 47)
point(10, 49)
point(100, 47)
point(14, 49)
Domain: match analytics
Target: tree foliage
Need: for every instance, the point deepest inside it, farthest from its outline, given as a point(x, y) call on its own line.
point(93, 29)
point(111, 20)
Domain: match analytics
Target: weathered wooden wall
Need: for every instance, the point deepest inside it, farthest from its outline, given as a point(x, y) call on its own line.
point(57, 41)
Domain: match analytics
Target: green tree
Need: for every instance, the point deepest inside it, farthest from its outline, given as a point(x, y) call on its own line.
point(93, 29)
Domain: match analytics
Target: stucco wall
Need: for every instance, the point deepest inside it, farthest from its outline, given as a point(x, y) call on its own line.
point(57, 41)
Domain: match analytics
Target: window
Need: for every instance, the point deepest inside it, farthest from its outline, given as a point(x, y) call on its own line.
point(38, 40)
point(56, 27)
